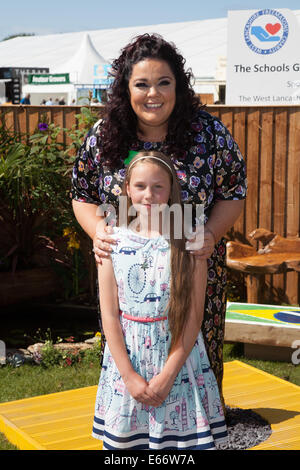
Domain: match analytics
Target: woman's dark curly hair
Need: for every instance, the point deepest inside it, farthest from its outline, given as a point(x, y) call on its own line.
point(119, 129)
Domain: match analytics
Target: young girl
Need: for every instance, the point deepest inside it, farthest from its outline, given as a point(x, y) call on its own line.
point(156, 389)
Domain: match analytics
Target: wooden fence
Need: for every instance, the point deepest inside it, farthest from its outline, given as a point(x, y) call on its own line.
point(269, 139)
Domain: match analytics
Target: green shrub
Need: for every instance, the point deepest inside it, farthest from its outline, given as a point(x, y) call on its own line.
point(34, 189)
point(35, 205)
point(54, 356)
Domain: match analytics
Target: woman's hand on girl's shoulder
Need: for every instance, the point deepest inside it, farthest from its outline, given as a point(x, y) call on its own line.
point(102, 242)
point(204, 249)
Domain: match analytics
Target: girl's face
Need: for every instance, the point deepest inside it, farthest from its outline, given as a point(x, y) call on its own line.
point(149, 184)
point(152, 88)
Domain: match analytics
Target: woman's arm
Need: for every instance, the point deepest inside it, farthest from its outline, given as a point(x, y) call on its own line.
point(109, 305)
point(94, 225)
point(163, 382)
point(222, 217)
point(87, 217)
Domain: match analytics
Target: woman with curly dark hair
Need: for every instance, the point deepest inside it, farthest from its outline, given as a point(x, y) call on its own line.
point(121, 126)
point(152, 106)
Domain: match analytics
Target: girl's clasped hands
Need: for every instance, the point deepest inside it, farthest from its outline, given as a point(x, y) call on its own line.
point(152, 393)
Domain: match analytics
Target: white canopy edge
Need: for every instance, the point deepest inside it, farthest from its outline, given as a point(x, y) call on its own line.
point(57, 89)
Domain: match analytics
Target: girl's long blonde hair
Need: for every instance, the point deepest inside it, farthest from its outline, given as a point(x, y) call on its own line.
point(182, 265)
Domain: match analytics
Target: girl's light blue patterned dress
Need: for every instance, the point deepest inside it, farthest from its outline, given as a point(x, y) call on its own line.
point(192, 416)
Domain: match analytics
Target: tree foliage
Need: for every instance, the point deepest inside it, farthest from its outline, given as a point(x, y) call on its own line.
point(13, 36)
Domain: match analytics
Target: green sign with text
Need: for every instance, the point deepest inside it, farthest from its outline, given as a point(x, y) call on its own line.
point(49, 79)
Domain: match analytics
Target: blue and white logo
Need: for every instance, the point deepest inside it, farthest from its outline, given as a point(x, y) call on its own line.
point(266, 31)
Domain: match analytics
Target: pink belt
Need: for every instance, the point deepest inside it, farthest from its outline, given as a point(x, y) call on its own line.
point(141, 319)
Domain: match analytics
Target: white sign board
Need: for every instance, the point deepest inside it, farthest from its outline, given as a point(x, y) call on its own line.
point(263, 59)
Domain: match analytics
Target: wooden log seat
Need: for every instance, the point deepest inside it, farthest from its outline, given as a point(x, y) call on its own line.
point(277, 255)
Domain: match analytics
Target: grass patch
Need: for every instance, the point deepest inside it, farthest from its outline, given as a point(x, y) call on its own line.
point(284, 370)
point(30, 381)
point(5, 445)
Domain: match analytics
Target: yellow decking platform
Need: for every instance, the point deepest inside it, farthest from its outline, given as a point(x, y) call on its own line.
point(275, 399)
point(63, 421)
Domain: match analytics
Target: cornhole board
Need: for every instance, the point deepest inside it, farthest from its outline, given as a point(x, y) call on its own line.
point(270, 332)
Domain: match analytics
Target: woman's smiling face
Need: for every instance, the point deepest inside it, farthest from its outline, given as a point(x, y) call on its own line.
point(152, 88)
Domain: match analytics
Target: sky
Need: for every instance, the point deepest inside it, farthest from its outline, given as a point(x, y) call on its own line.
point(64, 16)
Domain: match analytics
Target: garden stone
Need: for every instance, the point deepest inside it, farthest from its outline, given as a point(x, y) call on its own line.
point(72, 347)
point(92, 340)
point(23, 352)
point(35, 348)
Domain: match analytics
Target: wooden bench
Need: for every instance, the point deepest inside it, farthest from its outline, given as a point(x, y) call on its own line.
point(277, 255)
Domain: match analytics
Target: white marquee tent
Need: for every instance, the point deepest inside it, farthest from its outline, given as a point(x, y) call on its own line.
point(202, 43)
point(83, 67)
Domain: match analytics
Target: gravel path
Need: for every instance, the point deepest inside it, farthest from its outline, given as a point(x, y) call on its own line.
point(246, 429)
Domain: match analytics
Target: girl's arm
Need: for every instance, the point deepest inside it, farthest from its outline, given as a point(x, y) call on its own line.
point(163, 382)
point(109, 305)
